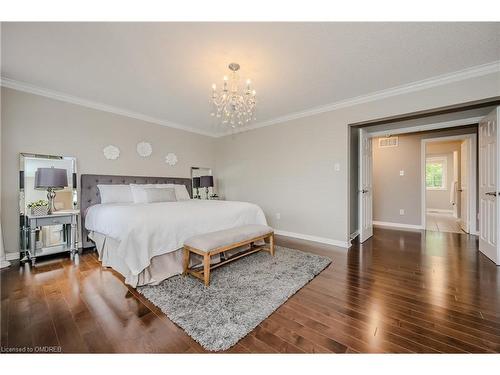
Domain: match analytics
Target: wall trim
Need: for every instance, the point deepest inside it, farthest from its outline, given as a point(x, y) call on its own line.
point(427, 127)
point(308, 237)
point(439, 210)
point(471, 72)
point(396, 225)
point(57, 95)
point(12, 256)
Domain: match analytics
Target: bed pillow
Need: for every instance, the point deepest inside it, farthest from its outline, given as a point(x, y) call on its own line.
point(139, 192)
point(115, 193)
point(181, 193)
point(154, 195)
point(139, 195)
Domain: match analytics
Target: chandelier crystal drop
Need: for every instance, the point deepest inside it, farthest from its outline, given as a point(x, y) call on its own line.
point(233, 106)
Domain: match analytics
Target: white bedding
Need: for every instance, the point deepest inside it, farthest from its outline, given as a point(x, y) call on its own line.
point(151, 229)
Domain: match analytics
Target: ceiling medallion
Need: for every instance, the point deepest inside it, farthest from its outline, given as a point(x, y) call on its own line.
point(233, 106)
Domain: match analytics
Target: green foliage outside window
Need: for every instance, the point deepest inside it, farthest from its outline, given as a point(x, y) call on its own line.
point(434, 175)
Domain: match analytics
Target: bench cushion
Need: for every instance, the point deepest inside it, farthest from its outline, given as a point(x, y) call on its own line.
point(214, 240)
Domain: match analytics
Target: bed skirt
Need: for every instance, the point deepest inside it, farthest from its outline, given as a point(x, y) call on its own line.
point(160, 268)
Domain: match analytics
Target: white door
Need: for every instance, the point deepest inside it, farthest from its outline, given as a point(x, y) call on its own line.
point(365, 190)
point(463, 189)
point(489, 186)
point(456, 192)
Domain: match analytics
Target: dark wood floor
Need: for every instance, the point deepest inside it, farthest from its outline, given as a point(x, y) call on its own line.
point(399, 292)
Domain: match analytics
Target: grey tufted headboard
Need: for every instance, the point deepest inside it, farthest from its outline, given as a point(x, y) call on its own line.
point(90, 192)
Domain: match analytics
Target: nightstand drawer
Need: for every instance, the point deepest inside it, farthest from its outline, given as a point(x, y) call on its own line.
point(42, 221)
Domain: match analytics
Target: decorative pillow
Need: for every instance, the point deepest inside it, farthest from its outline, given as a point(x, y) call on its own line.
point(115, 193)
point(160, 195)
point(181, 193)
point(139, 193)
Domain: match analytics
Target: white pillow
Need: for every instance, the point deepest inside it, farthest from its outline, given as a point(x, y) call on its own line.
point(160, 195)
point(139, 195)
point(115, 193)
point(181, 193)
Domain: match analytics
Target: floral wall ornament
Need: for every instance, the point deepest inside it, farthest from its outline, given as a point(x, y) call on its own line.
point(171, 159)
point(144, 149)
point(111, 152)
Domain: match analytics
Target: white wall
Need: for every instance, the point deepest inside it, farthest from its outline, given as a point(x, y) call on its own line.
point(287, 168)
point(36, 124)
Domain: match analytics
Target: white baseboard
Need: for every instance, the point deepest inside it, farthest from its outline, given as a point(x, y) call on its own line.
point(396, 225)
point(440, 210)
point(12, 256)
point(308, 237)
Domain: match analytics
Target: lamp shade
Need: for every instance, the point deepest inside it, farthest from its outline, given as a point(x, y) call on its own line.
point(51, 178)
point(196, 182)
point(207, 181)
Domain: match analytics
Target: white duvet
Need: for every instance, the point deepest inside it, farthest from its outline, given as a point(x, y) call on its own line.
point(151, 229)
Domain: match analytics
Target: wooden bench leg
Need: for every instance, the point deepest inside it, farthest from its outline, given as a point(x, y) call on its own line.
point(187, 254)
point(206, 269)
point(271, 244)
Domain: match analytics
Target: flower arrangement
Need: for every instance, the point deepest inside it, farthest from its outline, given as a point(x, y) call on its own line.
point(38, 203)
point(39, 207)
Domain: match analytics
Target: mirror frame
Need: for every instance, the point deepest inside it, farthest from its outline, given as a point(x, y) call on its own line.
point(23, 225)
point(192, 176)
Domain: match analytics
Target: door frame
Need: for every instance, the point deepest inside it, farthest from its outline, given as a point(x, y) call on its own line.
point(472, 183)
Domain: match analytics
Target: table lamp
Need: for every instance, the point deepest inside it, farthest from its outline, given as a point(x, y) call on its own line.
point(51, 179)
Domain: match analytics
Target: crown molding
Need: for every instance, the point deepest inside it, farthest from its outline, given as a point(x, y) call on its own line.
point(52, 94)
point(475, 71)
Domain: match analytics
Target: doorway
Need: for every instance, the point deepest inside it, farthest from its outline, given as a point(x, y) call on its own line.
point(392, 185)
point(449, 184)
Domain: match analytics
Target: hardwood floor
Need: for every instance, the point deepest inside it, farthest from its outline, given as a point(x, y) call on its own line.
point(399, 292)
point(442, 222)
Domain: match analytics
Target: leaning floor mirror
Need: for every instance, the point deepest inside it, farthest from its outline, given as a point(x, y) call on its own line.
point(47, 186)
point(203, 183)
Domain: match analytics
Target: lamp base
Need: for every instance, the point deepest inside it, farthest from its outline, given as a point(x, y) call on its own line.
point(51, 194)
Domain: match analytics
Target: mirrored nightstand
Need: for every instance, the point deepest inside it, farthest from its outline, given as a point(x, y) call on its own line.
point(66, 237)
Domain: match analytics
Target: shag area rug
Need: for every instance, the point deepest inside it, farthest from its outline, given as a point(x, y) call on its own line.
point(240, 296)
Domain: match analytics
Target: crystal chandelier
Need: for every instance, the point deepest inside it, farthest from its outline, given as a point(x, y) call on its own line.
point(232, 106)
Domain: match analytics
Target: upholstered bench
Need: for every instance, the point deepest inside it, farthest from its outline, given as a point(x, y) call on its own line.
point(214, 243)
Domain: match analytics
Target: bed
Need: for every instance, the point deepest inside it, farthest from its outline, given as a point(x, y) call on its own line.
point(143, 241)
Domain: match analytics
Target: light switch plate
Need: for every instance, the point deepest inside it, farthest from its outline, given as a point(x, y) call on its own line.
point(401, 211)
point(336, 166)
point(401, 172)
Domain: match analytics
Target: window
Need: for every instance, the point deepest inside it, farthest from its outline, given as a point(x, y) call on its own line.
point(435, 173)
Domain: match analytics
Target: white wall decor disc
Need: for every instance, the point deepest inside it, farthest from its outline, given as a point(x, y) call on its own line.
point(111, 152)
point(171, 158)
point(144, 149)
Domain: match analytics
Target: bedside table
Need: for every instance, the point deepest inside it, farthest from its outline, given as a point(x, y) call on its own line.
point(68, 219)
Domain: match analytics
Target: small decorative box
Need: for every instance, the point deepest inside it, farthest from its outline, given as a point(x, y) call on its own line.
point(39, 210)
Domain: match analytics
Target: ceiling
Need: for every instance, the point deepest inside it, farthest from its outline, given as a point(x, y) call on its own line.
point(165, 70)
